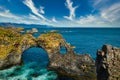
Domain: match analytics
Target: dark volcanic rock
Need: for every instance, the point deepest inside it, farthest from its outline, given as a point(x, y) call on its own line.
point(108, 63)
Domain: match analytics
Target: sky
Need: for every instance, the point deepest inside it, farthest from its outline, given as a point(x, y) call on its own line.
point(62, 13)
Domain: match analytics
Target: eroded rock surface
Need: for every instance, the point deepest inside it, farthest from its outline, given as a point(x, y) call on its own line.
point(79, 67)
point(108, 63)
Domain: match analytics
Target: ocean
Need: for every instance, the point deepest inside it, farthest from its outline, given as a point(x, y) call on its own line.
point(35, 60)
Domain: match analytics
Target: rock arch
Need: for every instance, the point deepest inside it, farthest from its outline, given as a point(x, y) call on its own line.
point(50, 42)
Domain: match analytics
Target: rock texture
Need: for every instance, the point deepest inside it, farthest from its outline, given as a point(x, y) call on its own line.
point(79, 67)
point(108, 63)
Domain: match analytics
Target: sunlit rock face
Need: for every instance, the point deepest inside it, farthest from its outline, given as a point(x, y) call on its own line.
point(108, 63)
point(69, 64)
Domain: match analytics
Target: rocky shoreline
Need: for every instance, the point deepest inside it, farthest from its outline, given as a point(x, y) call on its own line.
point(70, 64)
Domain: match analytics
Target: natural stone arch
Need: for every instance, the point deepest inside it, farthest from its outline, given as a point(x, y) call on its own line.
point(50, 42)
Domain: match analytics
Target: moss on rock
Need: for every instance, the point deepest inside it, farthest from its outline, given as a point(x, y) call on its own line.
point(11, 40)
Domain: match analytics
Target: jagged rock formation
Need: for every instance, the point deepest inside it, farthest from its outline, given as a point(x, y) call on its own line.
point(13, 44)
point(108, 63)
point(79, 67)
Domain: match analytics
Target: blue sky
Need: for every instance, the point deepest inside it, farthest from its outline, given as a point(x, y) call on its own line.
point(62, 13)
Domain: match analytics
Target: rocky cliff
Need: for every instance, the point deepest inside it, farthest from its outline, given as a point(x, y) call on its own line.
point(108, 63)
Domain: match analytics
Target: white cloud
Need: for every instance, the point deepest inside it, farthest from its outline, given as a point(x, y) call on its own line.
point(41, 10)
point(108, 16)
point(72, 9)
point(87, 20)
point(111, 13)
point(6, 13)
point(54, 19)
point(7, 16)
point(33, 17)
point(35, 11)
point(97, 2)
point(91, 20)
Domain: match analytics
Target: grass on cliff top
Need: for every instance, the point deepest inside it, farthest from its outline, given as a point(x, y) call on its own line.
point(11, 41)
point(51, 39)
point(8, 36)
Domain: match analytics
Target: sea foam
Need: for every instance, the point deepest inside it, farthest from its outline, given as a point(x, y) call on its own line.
point(27, 72)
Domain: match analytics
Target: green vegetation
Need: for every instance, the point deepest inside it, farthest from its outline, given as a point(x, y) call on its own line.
point(11, 41)
point(51, 40)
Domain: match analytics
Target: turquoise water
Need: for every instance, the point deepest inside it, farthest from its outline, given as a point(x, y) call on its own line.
point(86, 40)
point(27, 72)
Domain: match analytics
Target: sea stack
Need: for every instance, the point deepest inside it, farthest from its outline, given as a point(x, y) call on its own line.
point(108, 63)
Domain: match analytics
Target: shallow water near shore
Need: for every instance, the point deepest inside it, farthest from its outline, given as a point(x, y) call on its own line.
point(35, 61)
point(86, 40)
point(27, 72)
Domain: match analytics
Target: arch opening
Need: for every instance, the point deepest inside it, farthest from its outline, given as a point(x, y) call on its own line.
point(63, 50)
point(35, 55)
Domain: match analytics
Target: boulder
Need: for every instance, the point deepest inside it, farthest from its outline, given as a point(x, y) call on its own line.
point(34, 30)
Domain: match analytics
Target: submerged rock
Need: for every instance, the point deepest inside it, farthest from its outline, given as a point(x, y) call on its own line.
point(34, 30)
point(108, 63)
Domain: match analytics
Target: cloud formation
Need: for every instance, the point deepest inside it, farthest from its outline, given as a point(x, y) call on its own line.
point(107, 15)
point(35, 11)
point(72, 9)
point(6, 13)
point(54, 19)
point(41, 10)
point(111, 13)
